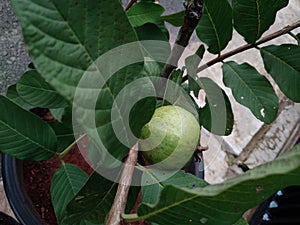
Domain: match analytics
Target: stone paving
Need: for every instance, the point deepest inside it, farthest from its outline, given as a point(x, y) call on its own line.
point(13, 62)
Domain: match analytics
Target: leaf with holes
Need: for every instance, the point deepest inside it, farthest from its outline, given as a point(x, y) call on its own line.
point(215, 26)
point(283, 64)
point(66, 183)
point(222, 204)
point(23, 134)
point(33, 89)
point(94, 58)
point(252, 18)
point(252, 90)
point(216, 116)
point(144, 12)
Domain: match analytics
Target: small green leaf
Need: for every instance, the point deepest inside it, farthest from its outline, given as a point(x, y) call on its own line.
point(66, 183)
point(252, 90)
point(144, 12)
point(24, 135)
point(92, 203)
point(33, 89)
point(65, 136)
point(215, 26)
point(283, 64)
point(175, 19)
point(223, 204)
point(252, 17)
point(216, 116)
point(150, 31)
point(192, 63)
point(57, 113)
point(13, 95)
point(137, 122)
point(151, 193)
point(173, 87)
point(157, 51)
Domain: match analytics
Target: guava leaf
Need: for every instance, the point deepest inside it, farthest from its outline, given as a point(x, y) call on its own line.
point(77, 61)
point(57, 113)
point(215, 26)
point(173, 87)
point(223, 204)
point(65, 135)
point(150, 31)
point(252, 18)
point(150, 34)
point(13, 95)
point(33, 89)
point(144, 12)
point(283, 64)
point(24, 135)
point(192, 63)
point(216, 116)
point(66, 183)
point(252, 90)
point(91, 202)
point(151, 193)
point(137, 123)
point(176, 19)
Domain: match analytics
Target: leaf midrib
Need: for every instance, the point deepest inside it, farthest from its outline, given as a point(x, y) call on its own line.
point(270, 53)
point(215, 29)
point(38, 88)
point(91, 59)
point(25, 137)
point(246, 85)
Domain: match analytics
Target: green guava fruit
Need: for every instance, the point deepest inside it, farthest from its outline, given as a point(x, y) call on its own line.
point(169, 139)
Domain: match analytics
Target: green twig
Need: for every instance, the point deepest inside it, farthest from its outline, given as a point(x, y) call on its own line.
point(245, 47)
point(62, 154)
point(130, 217)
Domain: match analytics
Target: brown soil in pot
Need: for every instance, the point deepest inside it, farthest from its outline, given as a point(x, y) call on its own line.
point(38, 176)
point(37, 180)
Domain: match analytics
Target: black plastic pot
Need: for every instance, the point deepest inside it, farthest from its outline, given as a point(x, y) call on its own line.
point(7, 220)
point(12, 172)
point(281, 209)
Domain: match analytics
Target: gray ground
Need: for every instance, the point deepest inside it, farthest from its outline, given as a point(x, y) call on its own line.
point(13, 54)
